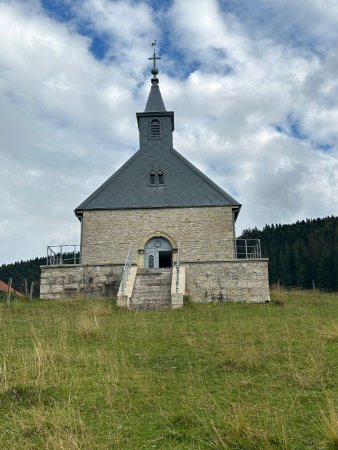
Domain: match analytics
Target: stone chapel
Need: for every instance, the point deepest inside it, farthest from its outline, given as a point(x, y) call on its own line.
point(157, 230)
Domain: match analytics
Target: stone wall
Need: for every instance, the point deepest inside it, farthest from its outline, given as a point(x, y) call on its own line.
point(232, 280)
point(71, 281)
point(235, 281)
point(202, 232)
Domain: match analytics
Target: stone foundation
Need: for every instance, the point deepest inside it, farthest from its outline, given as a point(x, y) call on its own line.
point(85, 281)
point(226, 281)
point(235, 280)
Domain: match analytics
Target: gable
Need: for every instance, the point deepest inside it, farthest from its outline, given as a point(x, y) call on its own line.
point(184, 185)
point(157, 176)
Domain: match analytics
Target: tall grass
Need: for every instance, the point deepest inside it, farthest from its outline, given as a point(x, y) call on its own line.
point(85, 375)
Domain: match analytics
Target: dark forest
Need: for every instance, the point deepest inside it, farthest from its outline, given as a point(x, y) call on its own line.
point(301, 255)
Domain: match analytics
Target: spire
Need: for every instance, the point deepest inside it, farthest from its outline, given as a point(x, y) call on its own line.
point(155, 102)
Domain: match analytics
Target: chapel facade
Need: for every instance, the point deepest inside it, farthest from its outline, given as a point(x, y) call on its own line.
point(158, 229)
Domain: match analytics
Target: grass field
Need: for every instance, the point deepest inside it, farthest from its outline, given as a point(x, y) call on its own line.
point(85, 375)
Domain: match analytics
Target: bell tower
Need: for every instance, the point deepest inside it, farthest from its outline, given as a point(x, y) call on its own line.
point(155, 124)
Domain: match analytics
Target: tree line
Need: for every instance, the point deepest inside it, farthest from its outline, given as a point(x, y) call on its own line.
point(21, 270)
point(300, 255)
point(30, 271)
point(304, 254)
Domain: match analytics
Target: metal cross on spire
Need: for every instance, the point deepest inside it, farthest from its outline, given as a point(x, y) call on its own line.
point(154, 69)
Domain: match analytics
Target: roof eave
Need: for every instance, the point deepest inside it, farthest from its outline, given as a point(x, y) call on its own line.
point(236, 210)
point(79, 213)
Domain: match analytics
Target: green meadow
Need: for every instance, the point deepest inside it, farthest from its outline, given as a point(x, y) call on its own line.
point(82, 374)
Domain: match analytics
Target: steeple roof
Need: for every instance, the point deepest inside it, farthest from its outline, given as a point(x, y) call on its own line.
point(182, 186)
point(155, 102)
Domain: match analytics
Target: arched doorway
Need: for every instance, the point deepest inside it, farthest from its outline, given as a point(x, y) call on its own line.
point(157, 253)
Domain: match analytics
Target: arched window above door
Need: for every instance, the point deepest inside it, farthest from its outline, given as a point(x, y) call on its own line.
point(158, 253)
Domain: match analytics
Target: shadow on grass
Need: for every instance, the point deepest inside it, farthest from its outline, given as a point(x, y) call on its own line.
point(30, 396)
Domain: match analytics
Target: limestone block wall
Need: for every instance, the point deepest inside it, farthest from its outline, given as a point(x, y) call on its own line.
point(204, 233)
point(232, 280)
point(71, 281)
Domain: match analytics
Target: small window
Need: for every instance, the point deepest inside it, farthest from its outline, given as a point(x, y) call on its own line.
point(155, 129)
point(156, 178)
point(151, 261)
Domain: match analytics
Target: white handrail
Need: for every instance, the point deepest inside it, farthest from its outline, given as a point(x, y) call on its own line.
point(178, 268)
point(126, 270)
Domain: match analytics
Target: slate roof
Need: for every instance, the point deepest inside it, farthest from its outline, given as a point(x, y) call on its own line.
point(155, 102)
point(185, 186)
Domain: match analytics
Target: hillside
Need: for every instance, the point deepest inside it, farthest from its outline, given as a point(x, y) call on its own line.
point(301, 253)
point(78, 374)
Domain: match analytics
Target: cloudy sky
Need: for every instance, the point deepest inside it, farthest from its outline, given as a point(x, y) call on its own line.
point(253, 84)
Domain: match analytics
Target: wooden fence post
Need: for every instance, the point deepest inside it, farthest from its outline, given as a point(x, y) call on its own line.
point(26, 288)
point(31, 291)
point(9, 289)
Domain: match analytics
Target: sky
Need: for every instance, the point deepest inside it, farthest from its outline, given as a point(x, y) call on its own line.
point(253, 85)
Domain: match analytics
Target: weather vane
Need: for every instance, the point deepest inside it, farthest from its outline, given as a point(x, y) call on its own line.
point(154, 69)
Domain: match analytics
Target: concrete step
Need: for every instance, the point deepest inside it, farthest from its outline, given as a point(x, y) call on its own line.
point(155, 288)
point(148, 307)
point(152, 289)
point(153, 297)
point(145, 301)
point(150, 303)
point(146, 296)
point(151, 280)
point(159, 270)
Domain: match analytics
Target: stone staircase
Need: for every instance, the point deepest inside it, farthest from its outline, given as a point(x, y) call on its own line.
point(152, 289)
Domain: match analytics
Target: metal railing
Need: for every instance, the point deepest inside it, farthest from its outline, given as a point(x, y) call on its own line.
point(187, 251)
point(248, 248)
point(126, 270)
point(178, 267)
point(63, 254)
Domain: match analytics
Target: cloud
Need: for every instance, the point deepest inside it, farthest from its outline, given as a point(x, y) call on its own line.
point(278, 177)
point(61, 113)
point(255, 105)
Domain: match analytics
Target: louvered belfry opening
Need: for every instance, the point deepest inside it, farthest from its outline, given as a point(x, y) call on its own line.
point(155, 129)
